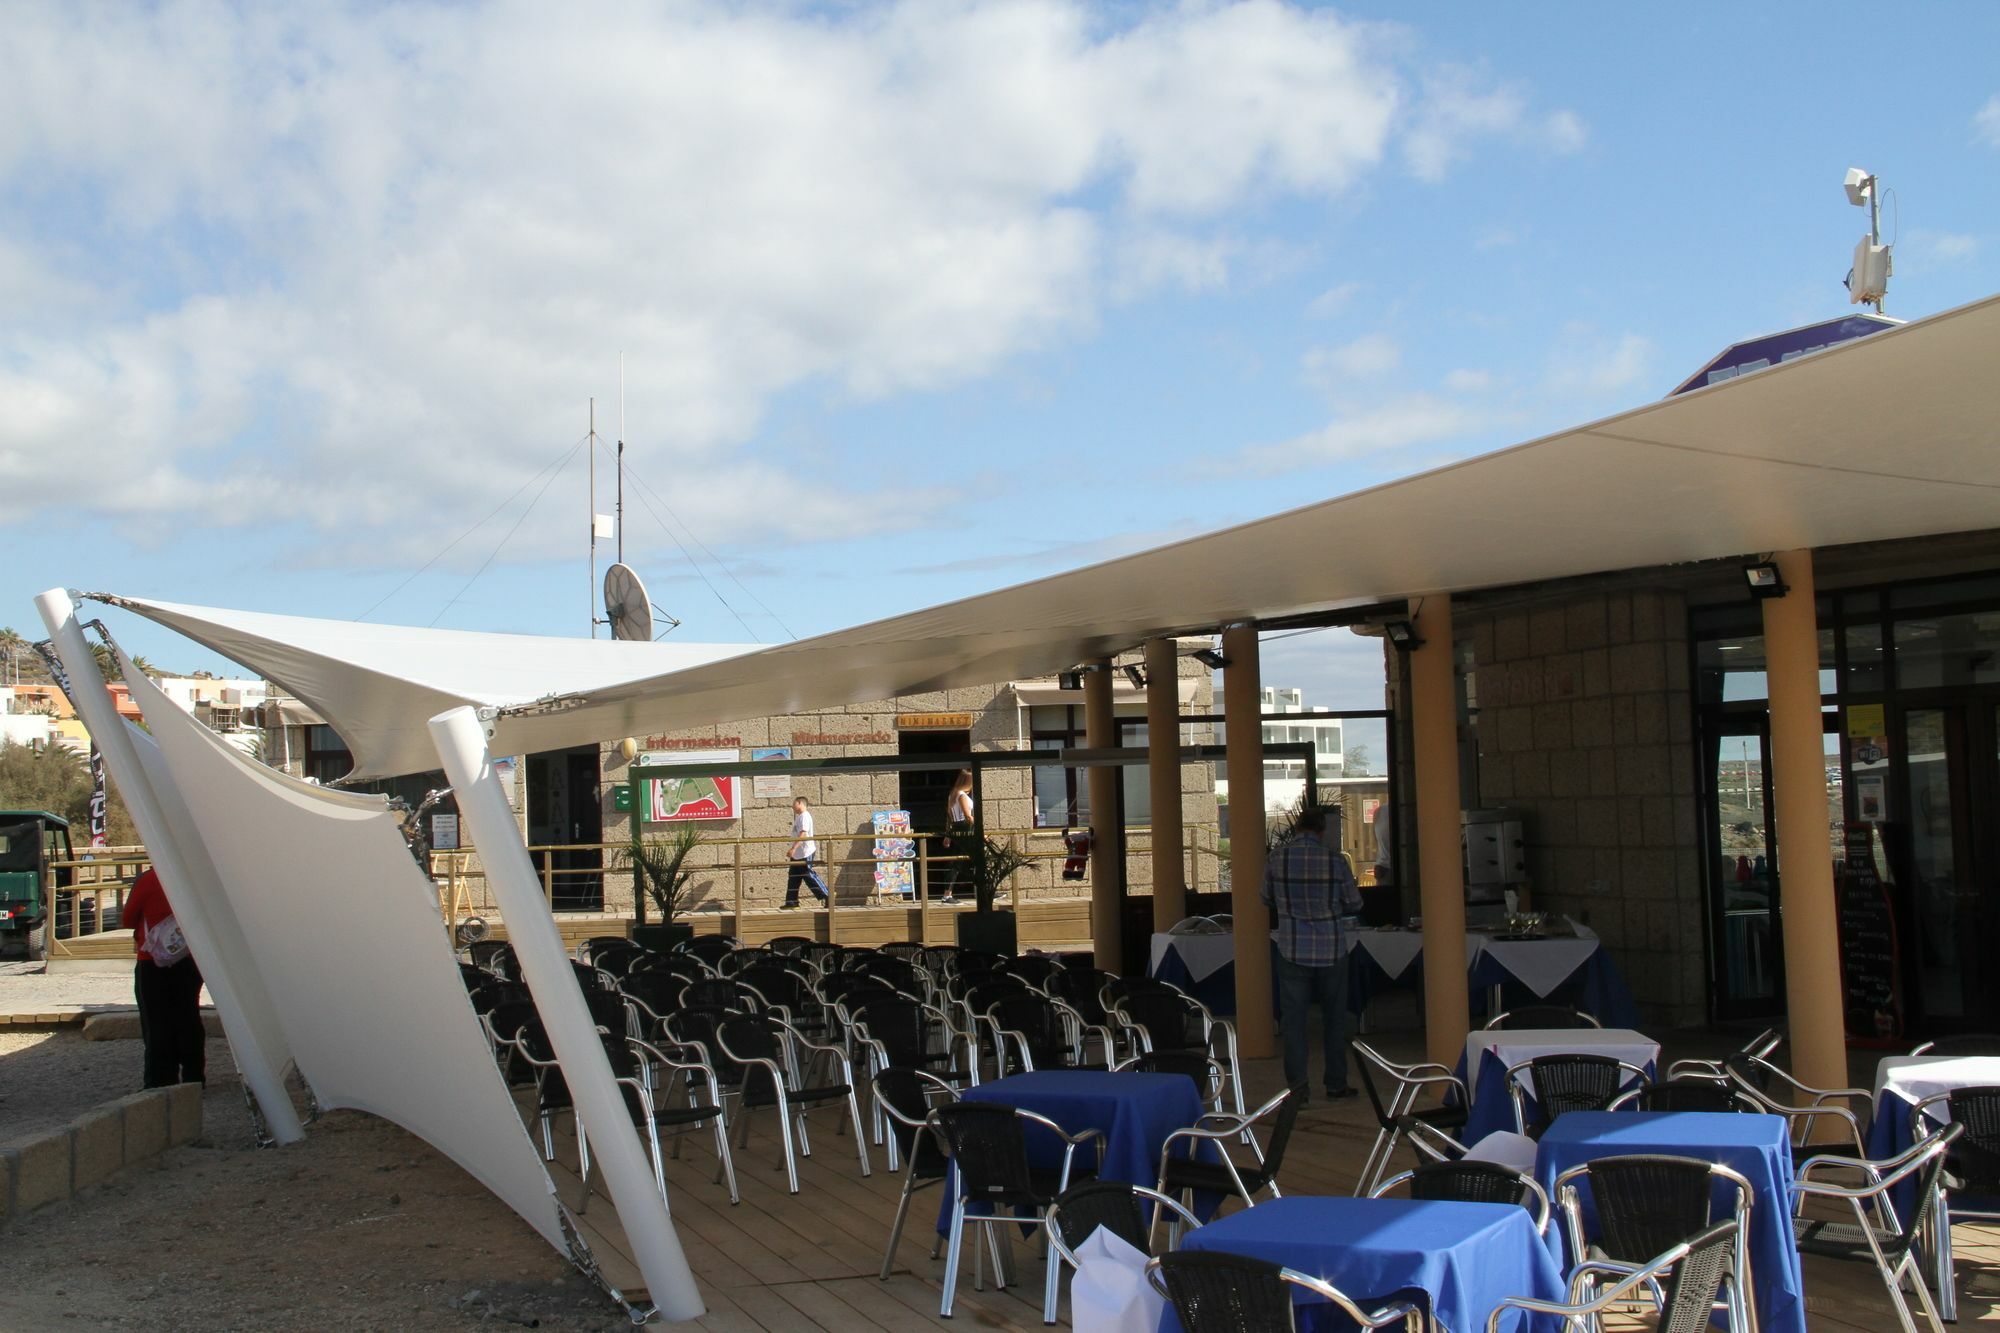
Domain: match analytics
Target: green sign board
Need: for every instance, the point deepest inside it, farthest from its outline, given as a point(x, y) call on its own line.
point(621, 798)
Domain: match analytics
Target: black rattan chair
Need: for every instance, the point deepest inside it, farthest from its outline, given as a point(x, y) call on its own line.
point(988, 1144)
point(485, 953)
point(1567, 1082)
point(1129, 1212)
point(1030, 1031)
point(904, 1098)
point(1474, 1182)
point(1208, 1075)
point(1157, 1017)
point(1689, 1276)
point(1683, 1094)
point(1542, 1016)
point(1971, 1170)
point(1395, 1114)
point(1772, 1089)
point(709, 948)
point(1887, 1240)
point(630, 1061)
point(767, 1049)
point(1644, 1205)
point(1214, 1292)
point(1189, 1174)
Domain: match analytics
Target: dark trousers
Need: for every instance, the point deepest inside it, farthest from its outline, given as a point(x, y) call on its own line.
point(1299, 987)
point(170, 1023)
point(802, 872)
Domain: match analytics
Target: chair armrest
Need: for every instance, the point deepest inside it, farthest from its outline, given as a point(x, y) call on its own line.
point(1073, 1140)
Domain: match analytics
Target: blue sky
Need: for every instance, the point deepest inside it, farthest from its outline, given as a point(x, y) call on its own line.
point(915, 301)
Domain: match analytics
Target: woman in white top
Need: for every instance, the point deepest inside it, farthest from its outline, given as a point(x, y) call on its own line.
point(958, 828)
point(801, 854)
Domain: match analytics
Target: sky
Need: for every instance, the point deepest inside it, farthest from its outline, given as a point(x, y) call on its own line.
point(305, 304)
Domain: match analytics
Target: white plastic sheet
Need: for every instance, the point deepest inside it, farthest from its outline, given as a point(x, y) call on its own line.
point(325, 903)
point(1109, 1293)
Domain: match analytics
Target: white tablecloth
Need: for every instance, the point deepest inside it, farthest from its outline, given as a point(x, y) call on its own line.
point(1915, 1077)
point(1540, 965)
point(1202, 955)
point(1523, 1044)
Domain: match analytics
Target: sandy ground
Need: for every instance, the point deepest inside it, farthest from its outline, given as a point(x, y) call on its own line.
point(362, 1226)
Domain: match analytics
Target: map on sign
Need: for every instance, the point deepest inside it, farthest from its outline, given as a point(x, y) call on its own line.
point(673, 800)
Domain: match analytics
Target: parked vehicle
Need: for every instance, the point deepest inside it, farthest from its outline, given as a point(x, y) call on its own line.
point(29, 840)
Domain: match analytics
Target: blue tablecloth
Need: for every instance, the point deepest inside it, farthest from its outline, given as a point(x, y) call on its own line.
point(1217, 990)
point(1756, 1146)
point(1597, 987)
point(1465, 1257)
point(1135, 1111)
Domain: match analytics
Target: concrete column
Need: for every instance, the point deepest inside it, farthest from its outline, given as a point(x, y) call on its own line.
point(1107, 830)
point(1440, 862)
point(1813, 995)
point(1163, 769)
point(1242, 716)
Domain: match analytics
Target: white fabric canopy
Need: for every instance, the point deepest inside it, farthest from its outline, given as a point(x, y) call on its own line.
point(323, 903)
point(1887, 436)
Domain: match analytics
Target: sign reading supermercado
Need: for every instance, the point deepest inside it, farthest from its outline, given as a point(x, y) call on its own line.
point(674, 800)
point(934, 721)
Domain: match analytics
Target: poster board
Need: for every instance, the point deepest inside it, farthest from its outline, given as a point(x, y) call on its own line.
point(895, 850)
point(1868, 954)
point(777, 785)
point(677, 800)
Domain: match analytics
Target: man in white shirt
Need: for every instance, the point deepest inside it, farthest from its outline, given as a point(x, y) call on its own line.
point(801, 854)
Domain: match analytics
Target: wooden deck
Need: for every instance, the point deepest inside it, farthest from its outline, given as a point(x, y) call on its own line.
point(792, 1264)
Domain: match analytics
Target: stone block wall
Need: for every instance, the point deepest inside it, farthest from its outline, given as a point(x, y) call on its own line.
point(1584, 723)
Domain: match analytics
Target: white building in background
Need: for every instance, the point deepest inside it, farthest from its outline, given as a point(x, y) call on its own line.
point(229, 706)
point(24, 718)
point(1322, 733)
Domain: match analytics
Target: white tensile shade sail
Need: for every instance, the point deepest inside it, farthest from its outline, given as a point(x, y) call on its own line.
point(329, 910)
point(1888, 436)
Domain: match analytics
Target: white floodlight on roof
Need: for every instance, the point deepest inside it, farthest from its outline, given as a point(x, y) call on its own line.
point(1859, 185)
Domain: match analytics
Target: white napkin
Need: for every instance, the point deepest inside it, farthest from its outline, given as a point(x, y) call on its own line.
point(1505, 1148)
point(1110, 1293)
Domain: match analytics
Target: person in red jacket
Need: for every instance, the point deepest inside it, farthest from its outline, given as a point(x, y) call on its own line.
point(169, 992)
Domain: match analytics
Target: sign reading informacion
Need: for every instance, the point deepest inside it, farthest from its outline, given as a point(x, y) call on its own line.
point(778, 785)
point(674, 800)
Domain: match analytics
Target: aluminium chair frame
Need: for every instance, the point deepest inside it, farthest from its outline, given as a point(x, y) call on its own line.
point(1543, 1210)
point(1405, 1313)
point(1410, 1081)
point(910, 1182)
point(783, 1083)
point(1944, 1265)
point(1882, 1176)
point(1060, 1253)
point(1631, 1076)
point(1742, 1284)
point(1585, 1313)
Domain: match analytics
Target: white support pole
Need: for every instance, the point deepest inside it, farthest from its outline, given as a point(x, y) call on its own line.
point(517, 892)
point(263, 1071)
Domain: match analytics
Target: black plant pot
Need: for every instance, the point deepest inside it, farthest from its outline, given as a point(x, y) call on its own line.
point(989, 932)
point(662, 937)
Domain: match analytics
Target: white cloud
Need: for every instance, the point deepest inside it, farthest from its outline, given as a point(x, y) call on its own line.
point(1494, 238)
point(1986, 124)
point(358, 268)
point(1395, 424)
point(1333, 300)
point(1587, 363)
point(1370, 356)
point(1469, 381)
point(1458, 107)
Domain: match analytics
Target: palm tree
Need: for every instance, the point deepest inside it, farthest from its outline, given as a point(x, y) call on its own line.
point(12, 646)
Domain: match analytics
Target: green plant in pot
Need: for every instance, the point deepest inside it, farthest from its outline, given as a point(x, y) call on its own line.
point(662, 874)
point(989, 864)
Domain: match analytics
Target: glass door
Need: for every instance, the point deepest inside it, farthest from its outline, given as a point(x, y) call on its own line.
point(1943, 866)
point(1748, 959)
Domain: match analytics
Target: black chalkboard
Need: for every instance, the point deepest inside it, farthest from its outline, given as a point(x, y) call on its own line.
point(1868, 962)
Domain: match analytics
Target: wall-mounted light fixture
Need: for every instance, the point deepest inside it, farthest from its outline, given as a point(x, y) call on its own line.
point(1136, 676)
point(1210, 658)
point(1403, 634)
point(629, 748)
point(1764, 581)
point(1069, 680)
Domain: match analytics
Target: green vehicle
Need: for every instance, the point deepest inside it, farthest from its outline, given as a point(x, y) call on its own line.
point(29, 840)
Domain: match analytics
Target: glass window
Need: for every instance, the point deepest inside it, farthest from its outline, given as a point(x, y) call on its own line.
point(1948, 650)
point(1732, 670)
point(1984, 588)
point(1137, 781)
point(1867, 669)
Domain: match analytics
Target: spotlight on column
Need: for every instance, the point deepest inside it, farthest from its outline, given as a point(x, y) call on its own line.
point(1764, 581)
point(1403, 634)
point(1069, 680)
point(1136, 676)
point(1210, 658)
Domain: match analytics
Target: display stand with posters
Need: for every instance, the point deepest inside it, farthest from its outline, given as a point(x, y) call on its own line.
point(895, 855)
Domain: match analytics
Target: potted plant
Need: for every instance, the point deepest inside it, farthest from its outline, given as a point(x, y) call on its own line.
point(660, 872)
point(989, 864)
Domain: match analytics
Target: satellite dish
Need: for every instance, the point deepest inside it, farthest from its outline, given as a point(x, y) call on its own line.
point(625, 604)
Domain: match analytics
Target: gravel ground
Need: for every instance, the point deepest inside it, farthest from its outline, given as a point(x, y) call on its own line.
point(361, 1226)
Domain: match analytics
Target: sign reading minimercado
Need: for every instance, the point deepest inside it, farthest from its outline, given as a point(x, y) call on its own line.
point(934, 721)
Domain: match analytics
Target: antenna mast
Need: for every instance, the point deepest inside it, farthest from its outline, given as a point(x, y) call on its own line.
point(592, 603)
point(621, 458)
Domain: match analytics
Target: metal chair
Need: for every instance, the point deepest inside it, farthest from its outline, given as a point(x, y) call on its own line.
point(1888, 1241)
point(1035, 969)
point(708, 949)
point(1646, 1203)
point(789, 944)
point(1396, 1116)
point(1473, 1182)
point(1688, 1276)
point(766, 1048)
point(1756, 1076)
point(1564, 1083)
point(1030, 1031)
point(1188, 1175)
point(1208, 1074)
point(1683, 1094)
point(486, 953)
point(629, 1068)
point(904, 1098)
point(1963, 1043)
point(1759, 1046)
point(1543, 1016)
point(988, 1144)
point(1157, 1017)
point(1112, 1204)
point(1232, 1293)
point(1971, 1167)
point(1082, 989)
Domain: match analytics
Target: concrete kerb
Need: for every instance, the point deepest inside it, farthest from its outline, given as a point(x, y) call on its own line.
point(55, 1165)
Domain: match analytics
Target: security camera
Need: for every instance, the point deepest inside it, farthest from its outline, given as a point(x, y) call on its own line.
point(1858, 184)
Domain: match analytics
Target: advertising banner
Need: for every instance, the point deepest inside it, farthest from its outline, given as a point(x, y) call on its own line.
point(679, 799)
point(778, 784)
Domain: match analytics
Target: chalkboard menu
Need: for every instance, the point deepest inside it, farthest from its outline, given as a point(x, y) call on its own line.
point(1867, 941)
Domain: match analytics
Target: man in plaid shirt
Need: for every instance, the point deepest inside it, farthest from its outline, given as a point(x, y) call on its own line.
point(1308, 887)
